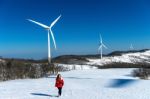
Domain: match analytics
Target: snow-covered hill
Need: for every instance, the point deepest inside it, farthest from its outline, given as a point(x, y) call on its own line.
point(2, 61)
point(137, 57)
point(80, 84)
point(85, 82)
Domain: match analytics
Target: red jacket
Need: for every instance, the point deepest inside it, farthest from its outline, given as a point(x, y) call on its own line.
point(59, 83)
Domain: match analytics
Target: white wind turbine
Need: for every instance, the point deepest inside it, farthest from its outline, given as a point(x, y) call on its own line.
point(100, 49)
point(131, 47)
point(49, 29)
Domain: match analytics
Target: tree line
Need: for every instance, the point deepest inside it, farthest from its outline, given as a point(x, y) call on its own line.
point(15, 69)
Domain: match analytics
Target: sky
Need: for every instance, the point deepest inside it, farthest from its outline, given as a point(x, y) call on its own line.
point(120, 22)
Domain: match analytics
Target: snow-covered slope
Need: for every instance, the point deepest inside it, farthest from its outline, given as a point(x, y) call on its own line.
point(124, 58)
point(2, 61)
point(80, 84)
point(85, 82)
point(76, 67)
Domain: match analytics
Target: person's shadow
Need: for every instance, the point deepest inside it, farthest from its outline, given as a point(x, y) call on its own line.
point(42, 94)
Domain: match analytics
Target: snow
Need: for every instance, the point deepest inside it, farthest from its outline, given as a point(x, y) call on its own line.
point(124, 58)
point(85, 82)
point(80, 84)
point(76, 67)
point(2, 61)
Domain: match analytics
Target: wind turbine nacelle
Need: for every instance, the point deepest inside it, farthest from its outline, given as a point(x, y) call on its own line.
point(47, 28)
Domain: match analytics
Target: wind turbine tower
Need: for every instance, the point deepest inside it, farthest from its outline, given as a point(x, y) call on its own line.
point(49, 31)
point(101, 45)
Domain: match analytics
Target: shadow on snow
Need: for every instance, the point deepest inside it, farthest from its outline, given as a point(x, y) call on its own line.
point(120, 83)
point(41, 94)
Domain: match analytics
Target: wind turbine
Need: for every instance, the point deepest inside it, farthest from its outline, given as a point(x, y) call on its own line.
point(131, 47)
point(100, 49)
point(49, 29)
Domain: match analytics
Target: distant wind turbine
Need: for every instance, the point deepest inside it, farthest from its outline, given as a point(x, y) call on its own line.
point(100, 49)
point(49, 29)
point(131, 47)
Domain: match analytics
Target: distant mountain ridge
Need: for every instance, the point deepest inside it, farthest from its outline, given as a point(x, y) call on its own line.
point(84, 58)
point(74, 59)
point(118, 53)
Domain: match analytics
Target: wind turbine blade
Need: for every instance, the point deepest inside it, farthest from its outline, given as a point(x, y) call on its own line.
point(40, 24)
point(53, 23)
point(53, 38)
point(100, 47)
point(100, 38)
point(104, 46)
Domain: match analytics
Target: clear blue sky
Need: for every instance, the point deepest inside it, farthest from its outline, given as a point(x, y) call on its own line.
point(120, 22)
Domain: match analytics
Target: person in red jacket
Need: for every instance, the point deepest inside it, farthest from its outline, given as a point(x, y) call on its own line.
point(59, 84)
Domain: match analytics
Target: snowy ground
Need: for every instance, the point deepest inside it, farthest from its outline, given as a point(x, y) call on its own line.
point(80, 84)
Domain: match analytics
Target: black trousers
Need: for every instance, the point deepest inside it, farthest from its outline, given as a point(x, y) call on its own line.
point(59, 90)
